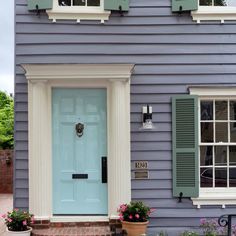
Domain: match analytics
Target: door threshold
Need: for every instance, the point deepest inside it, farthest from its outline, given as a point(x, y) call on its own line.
point(92, 218)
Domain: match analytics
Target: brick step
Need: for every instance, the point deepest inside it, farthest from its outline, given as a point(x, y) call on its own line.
point(74, 231)
point(47, 228)
point(80, 231)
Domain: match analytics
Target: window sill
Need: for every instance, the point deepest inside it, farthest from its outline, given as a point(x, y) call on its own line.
point(214, 14)
point(215, 198)
point(100, 15)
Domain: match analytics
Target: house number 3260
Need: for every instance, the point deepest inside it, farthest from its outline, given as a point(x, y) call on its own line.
point(141, 165)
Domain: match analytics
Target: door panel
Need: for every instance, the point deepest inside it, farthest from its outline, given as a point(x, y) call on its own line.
point(79, 155)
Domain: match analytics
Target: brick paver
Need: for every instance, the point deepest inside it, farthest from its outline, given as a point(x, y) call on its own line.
point(6, 204)
point(74, 231)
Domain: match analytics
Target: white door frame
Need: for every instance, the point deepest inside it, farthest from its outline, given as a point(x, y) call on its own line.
point(41, 79)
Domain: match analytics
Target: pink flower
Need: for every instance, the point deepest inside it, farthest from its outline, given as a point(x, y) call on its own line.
point(137, 216)
point(130, 217)
point(203, 221)
point(9, 220)
point(4, 216)
point(123, 207)
point(32, 220)
point(121, 218)
point(24, 222)
point(16, 209)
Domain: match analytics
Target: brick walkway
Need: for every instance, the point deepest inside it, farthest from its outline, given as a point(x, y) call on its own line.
point(6, 204)
point(74, 231)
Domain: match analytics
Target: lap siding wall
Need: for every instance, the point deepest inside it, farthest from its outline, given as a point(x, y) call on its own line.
point(170, 53)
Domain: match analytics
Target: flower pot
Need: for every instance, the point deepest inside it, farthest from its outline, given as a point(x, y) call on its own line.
point(19, 233)
point(135, 228)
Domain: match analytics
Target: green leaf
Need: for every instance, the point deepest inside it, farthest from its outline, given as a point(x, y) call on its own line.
point(6, 121)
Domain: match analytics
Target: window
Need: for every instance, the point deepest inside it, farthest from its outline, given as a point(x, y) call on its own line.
point(228, 3)
point(204, 145)
point(78, 10)
point(217, 143)
point(81, 3)
point(215, 10)
point(216, 151)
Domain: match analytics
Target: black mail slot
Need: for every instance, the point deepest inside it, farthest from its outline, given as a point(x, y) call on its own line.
point(79, 176)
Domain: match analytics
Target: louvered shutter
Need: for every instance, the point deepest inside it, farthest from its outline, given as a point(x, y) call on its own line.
point(116, 5)
point(185, 146)
point(184, 5)
point(42, 4)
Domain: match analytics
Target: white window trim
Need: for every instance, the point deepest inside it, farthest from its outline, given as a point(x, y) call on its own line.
point(209, 13)
point(210, 196)
point(41, 79)
point(77, 13)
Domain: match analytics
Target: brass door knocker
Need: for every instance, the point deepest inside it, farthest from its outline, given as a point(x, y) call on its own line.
point(79, 128)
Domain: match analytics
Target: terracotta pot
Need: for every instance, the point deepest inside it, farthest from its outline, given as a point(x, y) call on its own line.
point(135, 228)
point(19, 233)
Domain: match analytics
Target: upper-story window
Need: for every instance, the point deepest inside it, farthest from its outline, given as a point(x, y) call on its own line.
point(217, 10)
point(80, 3)
point(78, 10)
point(229, 3)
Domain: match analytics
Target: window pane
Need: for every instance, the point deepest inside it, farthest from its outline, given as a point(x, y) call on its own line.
point(220, 155)
point(232, 155)
point(232, 177)
point(207, 132)
point(220, 177)
point(206, 177)
point(206, 110)
point(93, 3)
point(221, 131)
point(231, 3)
point(79, 2)
point(205, 2)
point(64, 2)
point(206, 155)
point(232, 110)
point(220, 3)
point(221, 110)
point(233, 132)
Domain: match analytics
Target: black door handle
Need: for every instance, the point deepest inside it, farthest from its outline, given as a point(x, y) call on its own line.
point(104, 170)
point(79, 176)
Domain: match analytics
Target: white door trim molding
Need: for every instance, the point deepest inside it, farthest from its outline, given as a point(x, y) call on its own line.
point(41, 79)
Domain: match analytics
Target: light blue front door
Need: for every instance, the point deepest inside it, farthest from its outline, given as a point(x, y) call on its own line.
point(79, 184)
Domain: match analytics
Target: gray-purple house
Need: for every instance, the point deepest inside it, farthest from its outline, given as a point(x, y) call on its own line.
point(118, 100)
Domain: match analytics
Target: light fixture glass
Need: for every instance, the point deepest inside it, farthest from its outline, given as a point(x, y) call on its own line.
point(147, 118)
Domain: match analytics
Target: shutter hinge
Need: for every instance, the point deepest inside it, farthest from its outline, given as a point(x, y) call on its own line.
point(120, 11)
point(180, 10)
point(37, 10)
point(180, 196)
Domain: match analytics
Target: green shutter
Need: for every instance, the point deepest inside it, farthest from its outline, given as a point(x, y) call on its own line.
point(185, 146)
point(184, 5)
point(42, 4)
point(116, 4)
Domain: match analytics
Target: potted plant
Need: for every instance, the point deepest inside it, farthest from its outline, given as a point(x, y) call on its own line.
point(18, 223)
point(134, 218)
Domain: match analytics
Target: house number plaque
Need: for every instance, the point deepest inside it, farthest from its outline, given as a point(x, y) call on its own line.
point(143, 165)
point(141, 171)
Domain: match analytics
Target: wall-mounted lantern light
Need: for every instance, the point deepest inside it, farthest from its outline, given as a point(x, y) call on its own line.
point(147, 118)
